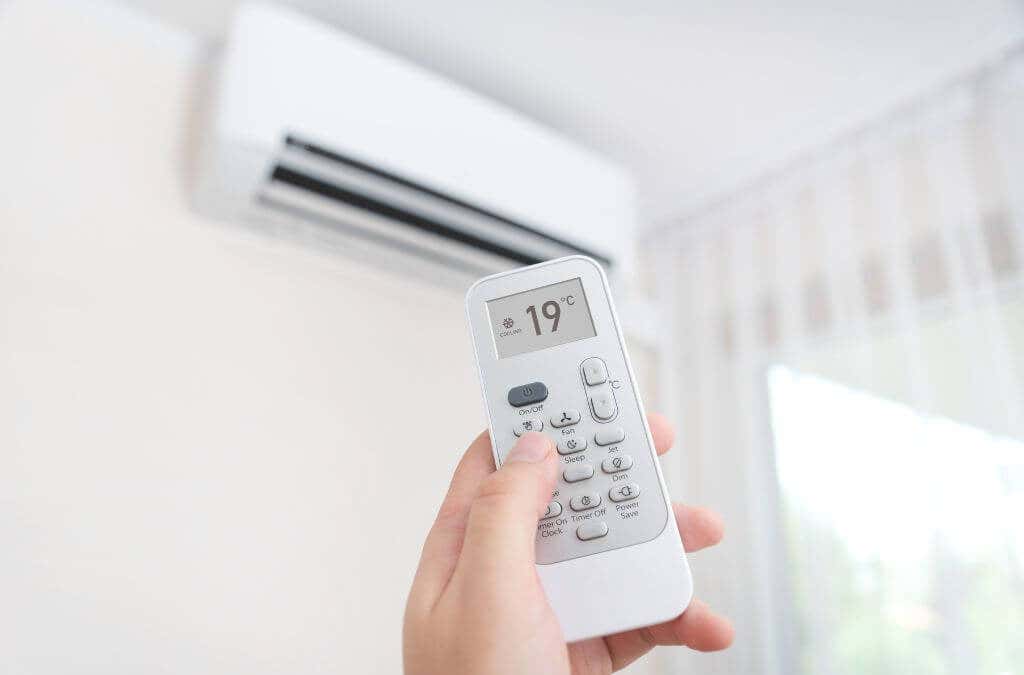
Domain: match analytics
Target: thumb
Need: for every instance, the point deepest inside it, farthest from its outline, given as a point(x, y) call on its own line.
point(503, 516)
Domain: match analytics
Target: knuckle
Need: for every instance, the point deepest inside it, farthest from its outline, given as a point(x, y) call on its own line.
point(499, 486)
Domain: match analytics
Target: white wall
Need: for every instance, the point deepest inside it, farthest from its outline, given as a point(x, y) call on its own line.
point(218, 452)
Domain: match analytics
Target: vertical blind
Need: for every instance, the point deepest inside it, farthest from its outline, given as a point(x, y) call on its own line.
point(889, 264)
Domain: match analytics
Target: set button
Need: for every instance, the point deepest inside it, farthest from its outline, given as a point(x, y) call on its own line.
point(592, 530)
point(565, 418)
point(568, 446)
point(617, 464)
point(586, 501)
point(554, 509)
point(575, 474)
point(528, 424)
point(610, 436)
point(623, 493)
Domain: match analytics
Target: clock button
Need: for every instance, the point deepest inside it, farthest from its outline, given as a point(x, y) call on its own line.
point(529, 424)
point(554, 509)
point(525, 394)
point(594, 371)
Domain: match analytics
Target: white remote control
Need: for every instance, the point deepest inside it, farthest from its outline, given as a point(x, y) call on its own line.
point(552, 359)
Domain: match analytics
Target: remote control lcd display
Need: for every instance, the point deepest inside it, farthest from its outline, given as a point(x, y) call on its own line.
point(540, 318)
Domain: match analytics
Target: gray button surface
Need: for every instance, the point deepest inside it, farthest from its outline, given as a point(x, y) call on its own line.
point(565, 418)
point(592, 530)
point(554, 509)
point(528, 424)
point(585, 501)
point(525, 394)
point(617, 463)
point(567, 446)
point(609, 436)
point(594, 371)
point(602, 404)
point(624, 493)
point(575, 474)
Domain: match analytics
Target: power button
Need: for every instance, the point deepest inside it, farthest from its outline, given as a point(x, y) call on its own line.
point(525, 394)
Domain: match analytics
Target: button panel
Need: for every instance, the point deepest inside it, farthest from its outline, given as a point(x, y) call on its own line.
point(589, 416)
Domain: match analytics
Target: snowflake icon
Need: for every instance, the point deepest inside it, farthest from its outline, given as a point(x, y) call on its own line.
point(508, 323)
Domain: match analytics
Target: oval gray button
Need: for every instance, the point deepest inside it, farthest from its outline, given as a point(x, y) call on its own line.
point(594, 371)
point(567, 446)
point(528, 424)
point(609, 436)
point(594, 530)
point(525, 394)
point(585, 501)
point(602, 404)
point(617, 463)
point(554, 509)
point(565, 418)
point(624, 493)
point(575, 474)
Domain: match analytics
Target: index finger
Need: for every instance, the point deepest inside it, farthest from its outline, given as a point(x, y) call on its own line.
point(444, 541)
point(662, 431)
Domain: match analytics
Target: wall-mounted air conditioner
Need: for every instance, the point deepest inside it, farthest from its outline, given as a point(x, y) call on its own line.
point(309, 126)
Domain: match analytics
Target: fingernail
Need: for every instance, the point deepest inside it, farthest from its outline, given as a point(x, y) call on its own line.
point(532, 447)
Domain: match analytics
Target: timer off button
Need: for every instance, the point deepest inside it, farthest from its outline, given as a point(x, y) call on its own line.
point(525, 394)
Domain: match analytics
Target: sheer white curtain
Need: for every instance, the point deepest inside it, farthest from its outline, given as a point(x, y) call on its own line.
point(845, 354)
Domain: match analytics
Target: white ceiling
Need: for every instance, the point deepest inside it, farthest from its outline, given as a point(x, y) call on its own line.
point(693, 97)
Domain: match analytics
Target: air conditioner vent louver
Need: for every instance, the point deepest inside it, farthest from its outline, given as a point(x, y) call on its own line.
point(394, 158)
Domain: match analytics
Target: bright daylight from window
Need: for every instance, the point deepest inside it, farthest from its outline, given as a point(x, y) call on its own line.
point(906, 534)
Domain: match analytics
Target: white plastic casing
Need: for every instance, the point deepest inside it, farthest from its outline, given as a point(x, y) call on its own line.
point(608, 591)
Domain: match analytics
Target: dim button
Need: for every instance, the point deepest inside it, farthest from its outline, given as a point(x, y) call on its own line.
point(525, 394)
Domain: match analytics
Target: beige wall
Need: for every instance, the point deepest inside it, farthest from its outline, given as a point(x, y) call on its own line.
point(218, 452)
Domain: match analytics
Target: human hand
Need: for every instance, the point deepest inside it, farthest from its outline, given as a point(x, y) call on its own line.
point(477, 606)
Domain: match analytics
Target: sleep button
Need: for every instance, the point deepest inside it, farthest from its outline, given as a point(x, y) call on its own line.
point(525, 394)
